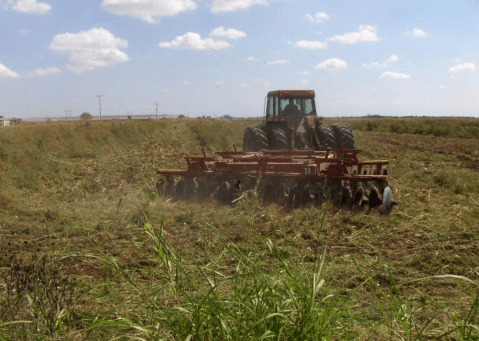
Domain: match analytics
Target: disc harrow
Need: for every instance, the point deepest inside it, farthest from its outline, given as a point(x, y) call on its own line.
point(287, 177)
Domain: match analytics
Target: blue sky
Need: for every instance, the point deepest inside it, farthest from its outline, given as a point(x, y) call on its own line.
point(216, 57)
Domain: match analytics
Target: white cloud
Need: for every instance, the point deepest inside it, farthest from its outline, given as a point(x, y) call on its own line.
point(304, 73)
point(332, 64)
point(466, 67)
point(233, 5)
point(28, 6)
point(304, 81)
point(244, 85)
point(90, 49)
point(148, 10)
point(365, 33)
point(230, 33)
point(442, 87)
point(318, 18)
point(419, 33)
point(193, 41)
point(457, 60)
point(311, 44)
point(219, 82)
point(278, 62)
point(23, 31)
point(186, 82)
point(44, 72)
point(251, 59)
point(5, 72)
point(384, 64)
point(394, 75)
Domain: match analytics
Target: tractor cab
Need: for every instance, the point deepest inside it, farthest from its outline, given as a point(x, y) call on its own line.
point(285, 103)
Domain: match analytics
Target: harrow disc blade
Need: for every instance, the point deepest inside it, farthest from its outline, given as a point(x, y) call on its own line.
point(179, 190)
point(374, 200)
point(388, 201)
point(280, 194)
point(294, 196)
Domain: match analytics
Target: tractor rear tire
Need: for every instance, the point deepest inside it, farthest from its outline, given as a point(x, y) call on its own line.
point(255, 139)
point(326, 136)
point(344, 135)
point(278, 139)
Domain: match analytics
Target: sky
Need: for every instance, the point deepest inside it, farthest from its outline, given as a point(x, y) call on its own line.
point(221, 57)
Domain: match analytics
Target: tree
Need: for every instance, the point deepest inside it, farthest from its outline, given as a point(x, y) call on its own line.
point(86, 116)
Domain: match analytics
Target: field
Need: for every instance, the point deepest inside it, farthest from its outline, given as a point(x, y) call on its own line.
point(90, 252)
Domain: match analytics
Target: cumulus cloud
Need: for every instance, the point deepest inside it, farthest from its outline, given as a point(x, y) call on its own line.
point(311, 44)
point(44, 72)
point(251, 59)
point(419, 33)
point(278, 62)
point(442, 87)
point(304, 73)
point(5, 72)
point(193, 41)
point(90, 49)
point(381, 65)
point(466, 67)
point(318, 18)
point(394, 75)
point(28, 6)
point(332, 64)
point(230, 33)
point(148, 10)
point(365, 33)
point(233, 5)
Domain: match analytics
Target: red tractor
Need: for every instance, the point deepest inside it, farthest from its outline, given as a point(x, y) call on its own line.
point(291, 122)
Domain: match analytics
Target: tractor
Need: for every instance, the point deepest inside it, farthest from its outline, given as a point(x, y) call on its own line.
point(291, 122)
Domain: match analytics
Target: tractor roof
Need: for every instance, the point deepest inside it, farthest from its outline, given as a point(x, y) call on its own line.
point(286, 93)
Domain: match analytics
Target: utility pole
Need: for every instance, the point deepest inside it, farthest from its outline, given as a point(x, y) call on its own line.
point(66, 115)
point(70, 114)
point(99, 98)
point(156, 103)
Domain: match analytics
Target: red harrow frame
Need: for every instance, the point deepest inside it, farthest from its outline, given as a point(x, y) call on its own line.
point(293, 177)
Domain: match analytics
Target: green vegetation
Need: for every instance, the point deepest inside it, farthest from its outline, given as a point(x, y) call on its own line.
point(89, 252)
point(86, 116)
point(447, 127)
